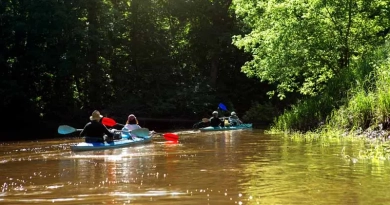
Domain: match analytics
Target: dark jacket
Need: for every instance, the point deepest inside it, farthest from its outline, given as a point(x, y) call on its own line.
point(215, 122)
point(95, 129)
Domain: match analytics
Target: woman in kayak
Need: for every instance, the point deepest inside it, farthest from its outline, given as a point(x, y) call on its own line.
point(234, 120)
point(215, 121)
point(95, 131)
point(131, 124)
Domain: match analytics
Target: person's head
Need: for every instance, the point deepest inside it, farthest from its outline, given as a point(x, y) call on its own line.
point(233, 114)
point(131, 119)
point(215, 113)
point(95, 116)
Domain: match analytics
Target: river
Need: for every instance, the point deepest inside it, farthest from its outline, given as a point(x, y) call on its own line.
point(233, 167)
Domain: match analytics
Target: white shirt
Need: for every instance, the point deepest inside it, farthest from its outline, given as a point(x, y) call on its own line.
point(127, 128)
point(131, 126)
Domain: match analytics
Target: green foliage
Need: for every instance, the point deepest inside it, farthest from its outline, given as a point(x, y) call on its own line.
point(327, 51)
point(155, 58)
point(368, 103)
point(356, 114)
point(357, 99)
point(305, 115)
point(301, 45)
point(320, 49)
point(265, 112)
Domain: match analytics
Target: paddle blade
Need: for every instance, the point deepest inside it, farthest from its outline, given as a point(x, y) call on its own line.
point(65, 129)
point(141, 132)
point(222, 106)
point(171, 136)
point(108, 122)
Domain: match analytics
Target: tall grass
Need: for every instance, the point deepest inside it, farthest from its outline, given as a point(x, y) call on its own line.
point(382, 110)
point(356, 114)
point(306, 115)
point(354, 103)
point(311, 112)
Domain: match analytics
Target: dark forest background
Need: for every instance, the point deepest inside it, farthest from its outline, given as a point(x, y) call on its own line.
point(168, 62)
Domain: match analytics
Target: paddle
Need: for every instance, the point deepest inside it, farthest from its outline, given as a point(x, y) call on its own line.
point(66, 129)
point(141, 132)
point(222, 106)
point(168, 136)
point(110, 122)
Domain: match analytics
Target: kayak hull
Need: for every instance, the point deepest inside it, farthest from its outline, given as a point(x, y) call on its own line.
point(88, 146)
point(239, 127)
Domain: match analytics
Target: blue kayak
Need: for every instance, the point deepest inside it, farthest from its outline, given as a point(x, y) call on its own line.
point(85, 146)
point(238, 127)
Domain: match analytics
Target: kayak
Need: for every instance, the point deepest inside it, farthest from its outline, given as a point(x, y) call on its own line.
point(239, 127)
point(87, 146)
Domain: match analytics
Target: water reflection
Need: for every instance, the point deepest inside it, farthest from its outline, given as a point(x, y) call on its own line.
point(301, 172)
point(228, 167)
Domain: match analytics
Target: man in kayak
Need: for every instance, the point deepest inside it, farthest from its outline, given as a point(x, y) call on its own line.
point(94, 131)
point(215, 121)
point(234, 120)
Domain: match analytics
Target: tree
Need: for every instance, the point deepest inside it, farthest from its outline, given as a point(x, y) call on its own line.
point(301, 44)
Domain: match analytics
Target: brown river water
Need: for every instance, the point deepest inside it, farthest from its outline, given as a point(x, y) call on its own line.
point(231, 167)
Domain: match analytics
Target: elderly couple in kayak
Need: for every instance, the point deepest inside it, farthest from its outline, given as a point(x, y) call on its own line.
point(95, 131)
point(215, 121)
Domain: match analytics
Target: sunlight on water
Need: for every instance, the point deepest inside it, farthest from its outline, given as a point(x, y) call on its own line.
point(149, 193)
point(231, 167)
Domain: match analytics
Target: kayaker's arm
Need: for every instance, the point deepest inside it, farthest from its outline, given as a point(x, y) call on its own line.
point(107, 132)
point(82, 133)
point(222, 123)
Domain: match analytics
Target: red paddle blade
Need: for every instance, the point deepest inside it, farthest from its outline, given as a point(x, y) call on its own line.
point(108, 122)
point(171, 136)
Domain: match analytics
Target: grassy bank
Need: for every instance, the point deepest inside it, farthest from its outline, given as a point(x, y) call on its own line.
point(356, 104)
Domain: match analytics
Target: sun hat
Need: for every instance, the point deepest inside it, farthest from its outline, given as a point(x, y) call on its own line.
point(233, 113)
point(95, 115)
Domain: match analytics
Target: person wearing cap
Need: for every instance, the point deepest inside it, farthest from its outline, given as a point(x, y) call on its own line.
point(95, 131)
point(234, 120)
point(131, 124)
point(215, 121)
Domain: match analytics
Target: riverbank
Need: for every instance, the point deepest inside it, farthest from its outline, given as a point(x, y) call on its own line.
point(376, 140)
point(355, 104)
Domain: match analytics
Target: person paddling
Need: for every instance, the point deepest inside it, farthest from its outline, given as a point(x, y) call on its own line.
point(215, 121)
point(234, 120)
point(95, 131)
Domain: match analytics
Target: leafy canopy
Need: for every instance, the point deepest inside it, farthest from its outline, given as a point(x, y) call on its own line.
point(301, 44)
